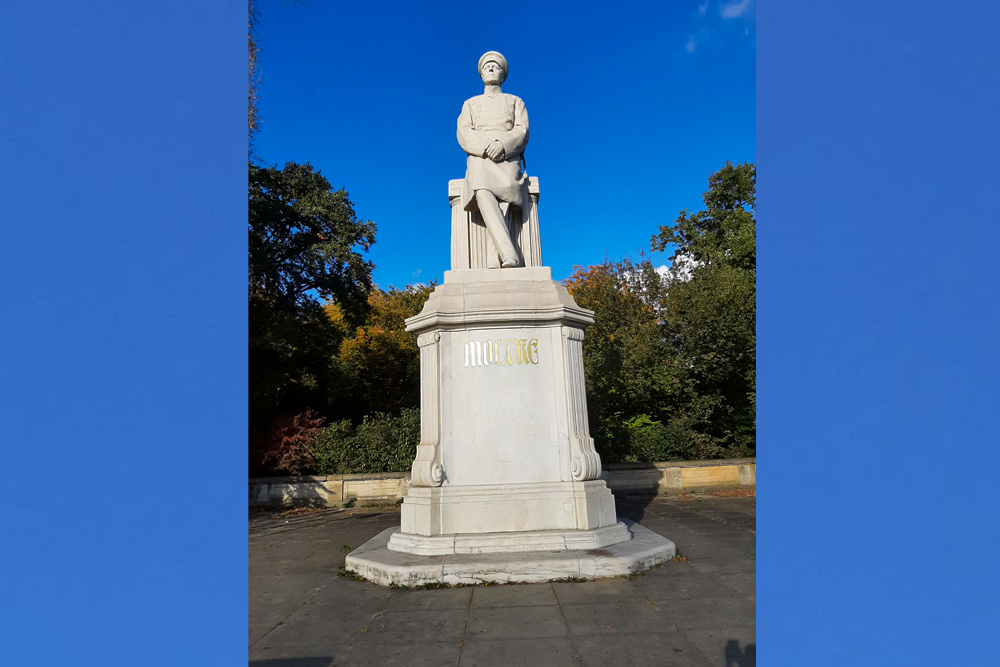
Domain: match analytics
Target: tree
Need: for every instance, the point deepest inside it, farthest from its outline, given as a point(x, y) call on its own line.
point(305, 245)
point(726, 231)
point(289, 445)
point(253, 80)
point(711, 318)
point(379, 363)
point(641, 401)
point(623, 350)
point(670, 360)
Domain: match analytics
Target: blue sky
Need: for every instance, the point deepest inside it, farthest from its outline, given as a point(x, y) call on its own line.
point(631, 108)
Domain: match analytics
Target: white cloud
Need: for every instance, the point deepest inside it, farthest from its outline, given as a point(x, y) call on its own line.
point(703, 8)
point(732, 10)
point(682, 269)
point(416, 274)
point(690, 44)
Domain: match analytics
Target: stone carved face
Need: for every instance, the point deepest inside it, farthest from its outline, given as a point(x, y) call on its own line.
point(493, 74)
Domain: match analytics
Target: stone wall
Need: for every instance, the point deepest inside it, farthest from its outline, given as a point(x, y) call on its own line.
point(680, 476)
point(643, 479)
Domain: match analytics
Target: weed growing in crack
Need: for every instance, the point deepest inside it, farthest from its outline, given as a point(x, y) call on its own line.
point(349, 574)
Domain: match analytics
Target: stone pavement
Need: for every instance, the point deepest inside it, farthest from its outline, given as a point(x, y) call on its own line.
point(697, 612)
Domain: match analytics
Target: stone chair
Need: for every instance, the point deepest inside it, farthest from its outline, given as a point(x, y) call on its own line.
point(471, 246)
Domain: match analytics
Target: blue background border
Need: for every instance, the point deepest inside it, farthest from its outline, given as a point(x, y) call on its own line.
point(877, 333)
point(124, 343)
point(124, 339)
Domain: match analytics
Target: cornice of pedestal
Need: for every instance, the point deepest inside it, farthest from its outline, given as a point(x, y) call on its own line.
point(499, 297)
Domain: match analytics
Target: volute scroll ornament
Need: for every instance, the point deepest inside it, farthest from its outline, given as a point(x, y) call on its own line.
point(426, 470)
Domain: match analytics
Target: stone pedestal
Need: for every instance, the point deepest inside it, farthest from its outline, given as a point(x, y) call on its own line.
point(504, 446)
point(506, 463)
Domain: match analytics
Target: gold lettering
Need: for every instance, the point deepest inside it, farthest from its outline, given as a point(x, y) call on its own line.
point(501, 352)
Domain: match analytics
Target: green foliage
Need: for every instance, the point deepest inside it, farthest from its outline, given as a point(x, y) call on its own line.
point(712, 318)
point(678, 439)
point(627, 362)
point(305, 240)
point(380, 443)
point(379, 363)
point(305, 245)
point(726, 231)
point(670, 362)
point(642, 401)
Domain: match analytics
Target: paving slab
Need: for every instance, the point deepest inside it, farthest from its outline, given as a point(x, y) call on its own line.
point(374, 653)
point(698, 612)
point(514, 595)
point(605, 620)
point(520, 652)
point(517, 622)
point(430, 600)
point(641, 650)
point(601, 591)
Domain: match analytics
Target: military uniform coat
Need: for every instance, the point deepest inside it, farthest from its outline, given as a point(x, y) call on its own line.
point(486, 118)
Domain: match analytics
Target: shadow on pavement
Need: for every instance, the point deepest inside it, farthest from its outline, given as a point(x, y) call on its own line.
point(737, 658)
point(292, 662)
point(632, 507)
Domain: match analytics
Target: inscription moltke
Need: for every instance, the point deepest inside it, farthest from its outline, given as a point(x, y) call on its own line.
point(501, 352)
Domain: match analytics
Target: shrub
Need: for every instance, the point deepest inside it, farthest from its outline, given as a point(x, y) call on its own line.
point(380, 443)
point(642, 439)
point(650, 441)
point(289, 445)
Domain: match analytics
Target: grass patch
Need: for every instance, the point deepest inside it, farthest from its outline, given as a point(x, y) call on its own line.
point(434, 585)
point(381, 504)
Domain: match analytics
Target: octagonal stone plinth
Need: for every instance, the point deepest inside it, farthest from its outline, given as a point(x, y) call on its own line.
point(506, 482)
point(644, 549)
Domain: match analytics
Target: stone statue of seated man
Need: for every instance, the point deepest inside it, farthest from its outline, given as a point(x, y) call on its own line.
point(493, 130)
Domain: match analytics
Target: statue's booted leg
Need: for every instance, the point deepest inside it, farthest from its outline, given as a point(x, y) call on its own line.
point(489, 208)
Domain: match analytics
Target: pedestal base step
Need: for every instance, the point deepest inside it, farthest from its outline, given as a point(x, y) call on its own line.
point(487, 543)
point(376, 563)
